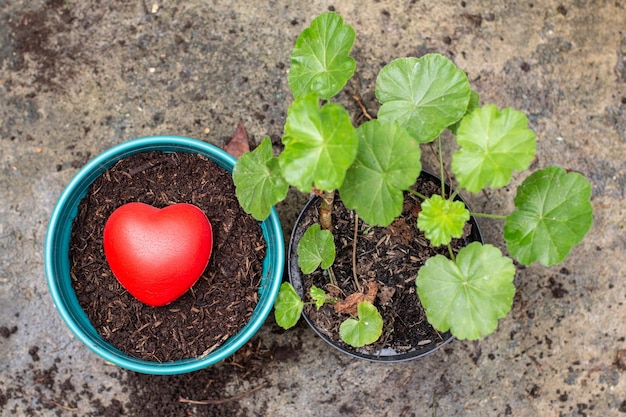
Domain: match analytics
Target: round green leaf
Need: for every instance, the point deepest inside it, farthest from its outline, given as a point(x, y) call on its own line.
point(318, 295)
point(442, 219)
point(387, 163)
point(320, 61)
point(363, 330)
point(468, 296)
point(320, 145)
point(493, 144)
point(425, 95)
point(259, 183)
point(554, 213)
point(288, 306)
point(316, 247)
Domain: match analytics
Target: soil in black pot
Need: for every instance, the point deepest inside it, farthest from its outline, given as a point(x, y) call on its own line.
point(216, 307)
point(389, 257)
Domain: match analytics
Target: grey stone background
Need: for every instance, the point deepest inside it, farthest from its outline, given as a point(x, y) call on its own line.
point(77, 77)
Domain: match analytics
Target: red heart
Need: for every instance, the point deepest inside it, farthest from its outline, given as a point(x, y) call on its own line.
point(157, 254)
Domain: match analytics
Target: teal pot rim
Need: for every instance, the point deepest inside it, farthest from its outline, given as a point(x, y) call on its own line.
point(384, 355)
point(57, 264)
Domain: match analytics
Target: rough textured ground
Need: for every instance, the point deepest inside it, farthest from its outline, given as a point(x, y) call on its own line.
point(78, 77)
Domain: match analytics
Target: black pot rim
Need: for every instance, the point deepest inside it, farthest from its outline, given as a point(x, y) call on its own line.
point(384, 355)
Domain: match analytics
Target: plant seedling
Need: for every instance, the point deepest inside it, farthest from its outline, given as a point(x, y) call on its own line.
point(373, 165)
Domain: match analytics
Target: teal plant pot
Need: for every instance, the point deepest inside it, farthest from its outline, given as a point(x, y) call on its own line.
point(57, 263)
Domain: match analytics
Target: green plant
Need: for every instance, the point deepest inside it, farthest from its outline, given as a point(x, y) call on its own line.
point(373, 165)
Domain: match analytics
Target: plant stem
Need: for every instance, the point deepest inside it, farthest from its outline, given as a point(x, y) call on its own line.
point(357, 99)
point(331, 274)
point(454, 194)
point(326, 210)
point(489, 216)
point(451, 252)
point(420, 195)
point(356, 235)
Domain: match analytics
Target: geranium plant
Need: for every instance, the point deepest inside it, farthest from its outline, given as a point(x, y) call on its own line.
point(373, 165)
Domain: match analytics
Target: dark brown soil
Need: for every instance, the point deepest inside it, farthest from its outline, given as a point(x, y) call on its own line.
point(222, 300)
point(33, 37)
point(212, 392)
point(216, 391)
point(390, 256)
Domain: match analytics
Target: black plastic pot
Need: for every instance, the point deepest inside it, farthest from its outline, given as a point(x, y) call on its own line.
point(385, 354)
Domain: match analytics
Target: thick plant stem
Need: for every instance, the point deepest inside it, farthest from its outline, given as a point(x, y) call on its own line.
point(326, 210)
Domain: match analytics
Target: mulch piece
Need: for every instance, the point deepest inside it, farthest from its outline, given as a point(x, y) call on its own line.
point(390, 257)
point(216, 307)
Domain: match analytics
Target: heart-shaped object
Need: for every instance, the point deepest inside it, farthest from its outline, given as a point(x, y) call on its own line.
point(157, 254)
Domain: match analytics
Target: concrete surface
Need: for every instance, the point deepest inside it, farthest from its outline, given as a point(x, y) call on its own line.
point(77, 77)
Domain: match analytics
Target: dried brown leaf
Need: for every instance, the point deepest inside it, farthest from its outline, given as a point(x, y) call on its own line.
point(238, 145)
point(350, 304)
